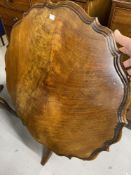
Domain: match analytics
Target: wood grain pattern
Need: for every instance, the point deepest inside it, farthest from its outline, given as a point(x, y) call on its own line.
point(20, 5)
point(93, 8)
point(83, 3)
point(10, 16)
point(100, 9)
point(65, 78)
point(120, 17)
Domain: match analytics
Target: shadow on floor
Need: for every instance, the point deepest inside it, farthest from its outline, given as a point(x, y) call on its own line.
point(129, 125)
point(20, 130)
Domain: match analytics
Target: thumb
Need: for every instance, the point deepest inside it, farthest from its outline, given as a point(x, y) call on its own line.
point(123, 40)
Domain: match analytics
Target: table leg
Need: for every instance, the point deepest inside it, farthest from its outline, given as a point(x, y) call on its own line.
point(46, 155)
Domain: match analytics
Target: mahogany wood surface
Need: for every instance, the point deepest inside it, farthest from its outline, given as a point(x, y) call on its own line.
point(94, 8)
point(120, 17)
point(20, 5)
point(13, 10)
point(65, 77)
point(9, 16)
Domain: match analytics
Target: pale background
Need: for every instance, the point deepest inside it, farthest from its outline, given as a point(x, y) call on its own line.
point(21, 155)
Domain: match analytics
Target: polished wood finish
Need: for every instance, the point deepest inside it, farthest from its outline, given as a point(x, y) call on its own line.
point(100, 9)
point(10, 16)
point(16, 7)
point(82, 3)
point(20, 5)
point(120, 18)
point(66, 81)
point(94, 8)
point(11, 11)
point(54, 1)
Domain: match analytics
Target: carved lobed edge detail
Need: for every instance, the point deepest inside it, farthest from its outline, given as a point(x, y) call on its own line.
point(108, 34)
point(118, 67)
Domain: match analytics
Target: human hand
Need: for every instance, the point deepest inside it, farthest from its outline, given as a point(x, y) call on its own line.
point(125, 42)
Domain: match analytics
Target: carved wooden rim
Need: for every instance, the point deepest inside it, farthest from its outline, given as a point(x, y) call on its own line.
point(108, 34)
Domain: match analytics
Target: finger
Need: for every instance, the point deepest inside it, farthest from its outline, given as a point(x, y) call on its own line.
point(129, 72)
point(122, 40)
point(127, 63)
point(124, 50)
